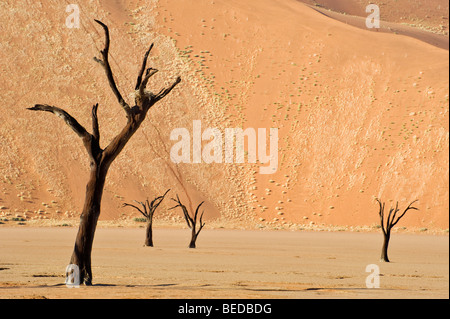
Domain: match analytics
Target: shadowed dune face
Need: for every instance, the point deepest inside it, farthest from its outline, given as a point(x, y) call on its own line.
point(430, 15)
point(427, 22)
point(359, 114)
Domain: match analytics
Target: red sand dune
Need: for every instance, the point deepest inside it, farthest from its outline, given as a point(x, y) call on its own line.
point(360, 114)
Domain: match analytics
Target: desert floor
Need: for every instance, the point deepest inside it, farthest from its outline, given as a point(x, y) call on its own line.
point(226, 264)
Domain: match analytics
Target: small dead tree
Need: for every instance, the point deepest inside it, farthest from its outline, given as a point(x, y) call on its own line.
point(387, 223)
point(148, 210)
point(191, 222)
point(101, 158)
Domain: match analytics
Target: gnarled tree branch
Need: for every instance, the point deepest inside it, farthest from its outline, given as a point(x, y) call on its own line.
point(69, 119)
point(105, 63)
point(90, 142)
point(164, 92)
point(201, 218)
point(404, 212)
point(144, 213)
point(144, 64)
point(156, 202)
point(95, 129)
point(149, 73)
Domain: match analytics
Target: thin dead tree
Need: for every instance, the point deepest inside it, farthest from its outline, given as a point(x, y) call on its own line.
point(191, 221)
point(387, 223)
point(148, 210)
point(101, 158)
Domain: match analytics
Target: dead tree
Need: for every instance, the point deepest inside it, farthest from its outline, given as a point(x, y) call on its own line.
point(191, 222)
point(101, 158)
point(148, 210)
point(388, 223)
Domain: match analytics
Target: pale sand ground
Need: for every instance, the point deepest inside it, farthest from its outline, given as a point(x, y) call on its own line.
point(226, 264)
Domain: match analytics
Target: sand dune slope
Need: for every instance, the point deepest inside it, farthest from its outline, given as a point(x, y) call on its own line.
point(359, 114)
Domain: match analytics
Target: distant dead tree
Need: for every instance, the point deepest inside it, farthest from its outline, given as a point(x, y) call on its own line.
point(101, 159)
point(148, 210)
point(191, 221)
point(388, 223)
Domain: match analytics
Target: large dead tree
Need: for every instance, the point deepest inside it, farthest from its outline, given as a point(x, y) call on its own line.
point(388, 222)
point(148, 210)
point(191, 221)
point(101, 158)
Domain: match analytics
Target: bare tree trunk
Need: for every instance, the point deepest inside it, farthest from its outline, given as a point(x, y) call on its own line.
point(149, 234)
point(193, 239)
point(384, 249)
point(81, 255)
